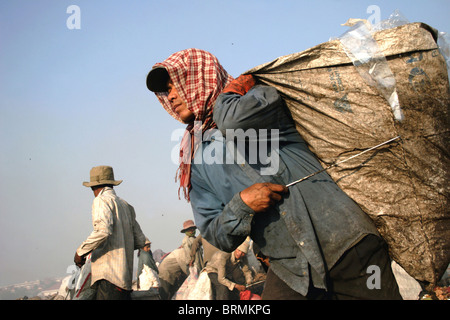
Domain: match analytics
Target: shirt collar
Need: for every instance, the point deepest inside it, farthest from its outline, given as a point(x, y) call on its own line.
point(107, 190)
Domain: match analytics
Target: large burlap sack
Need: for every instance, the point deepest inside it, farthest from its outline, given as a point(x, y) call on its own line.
point(345, 97)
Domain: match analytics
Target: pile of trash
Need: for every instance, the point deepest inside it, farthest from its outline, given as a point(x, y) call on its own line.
point(197, 285)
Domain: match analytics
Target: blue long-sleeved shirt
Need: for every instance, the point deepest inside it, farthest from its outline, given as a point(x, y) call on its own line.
point(305, 233)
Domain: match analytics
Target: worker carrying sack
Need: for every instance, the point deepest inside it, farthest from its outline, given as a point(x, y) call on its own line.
point(364, 88)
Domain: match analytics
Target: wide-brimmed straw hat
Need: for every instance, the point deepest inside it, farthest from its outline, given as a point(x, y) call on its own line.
point(188, 224)
point(101, 175)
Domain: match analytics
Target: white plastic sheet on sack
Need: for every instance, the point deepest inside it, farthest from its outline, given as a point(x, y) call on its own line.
point(202, 289)
point(148, 278)
point(370, 62)
point(195, 287)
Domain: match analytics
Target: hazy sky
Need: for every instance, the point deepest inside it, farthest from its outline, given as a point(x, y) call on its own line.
point(71, 99)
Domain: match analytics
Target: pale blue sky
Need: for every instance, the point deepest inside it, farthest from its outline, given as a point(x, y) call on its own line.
point(74, 99)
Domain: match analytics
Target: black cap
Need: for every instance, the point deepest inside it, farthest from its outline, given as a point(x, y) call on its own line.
point(157, 79)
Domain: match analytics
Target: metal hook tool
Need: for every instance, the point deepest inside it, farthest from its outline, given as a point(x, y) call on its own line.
point(337, 163)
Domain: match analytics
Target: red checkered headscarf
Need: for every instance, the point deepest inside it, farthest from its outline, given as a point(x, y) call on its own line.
point(198, 78)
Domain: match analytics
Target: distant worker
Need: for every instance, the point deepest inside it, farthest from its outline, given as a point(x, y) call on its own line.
point(115, 236)
point(229, 272)
point(145, 257)
point(174, 268)
point(195, 257)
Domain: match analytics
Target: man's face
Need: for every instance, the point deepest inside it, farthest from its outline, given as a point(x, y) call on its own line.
point(238, 254)
point(178, 105)
point(190, 232)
